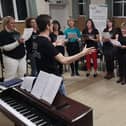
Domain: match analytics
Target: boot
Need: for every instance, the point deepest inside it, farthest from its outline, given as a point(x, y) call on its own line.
point(106, 76)
point(109, 75)
point(123, 81)
point(119, 80)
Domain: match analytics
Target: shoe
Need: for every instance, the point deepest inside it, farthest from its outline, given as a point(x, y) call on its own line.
point(88, 74)
point(95, 75)
point(123, 82)
point(109, 76)
point(119, 80)
point(112, 74)
point(77, 74)
point(106, 76)
point(72, 74)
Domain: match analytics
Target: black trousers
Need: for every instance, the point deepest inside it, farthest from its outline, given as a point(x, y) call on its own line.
point(122, 65)
point(59, 65)
point(72, 49)
point(110, 54)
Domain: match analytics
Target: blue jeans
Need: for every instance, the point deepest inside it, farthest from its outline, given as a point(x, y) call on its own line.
point(62, 90)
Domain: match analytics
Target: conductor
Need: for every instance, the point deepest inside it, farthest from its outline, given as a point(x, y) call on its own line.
point(47, 54)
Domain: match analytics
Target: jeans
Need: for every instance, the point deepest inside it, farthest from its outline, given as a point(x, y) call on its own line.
point(62, 90)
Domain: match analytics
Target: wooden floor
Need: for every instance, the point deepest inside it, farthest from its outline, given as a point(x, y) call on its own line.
point(107, 99)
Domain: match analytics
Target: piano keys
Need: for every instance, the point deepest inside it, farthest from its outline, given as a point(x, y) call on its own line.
point(25, 110)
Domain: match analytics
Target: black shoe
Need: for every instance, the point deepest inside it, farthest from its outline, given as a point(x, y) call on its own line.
point(77, 74)
point(109, 76)
point(119, 80)
point(106, 76)
point(95, 75)
point(88, 74)
point(123, 83)
point(72, 74)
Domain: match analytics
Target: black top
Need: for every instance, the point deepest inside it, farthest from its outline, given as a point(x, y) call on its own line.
point(8, 38)
point(90, 43)
point(54, 37)
point(112, 33)
point(122, 40)
point(46, 56)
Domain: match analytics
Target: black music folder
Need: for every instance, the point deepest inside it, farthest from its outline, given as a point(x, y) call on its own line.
point(11, 83)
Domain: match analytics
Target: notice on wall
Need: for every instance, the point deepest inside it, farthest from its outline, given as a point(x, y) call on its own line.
point(98, 13)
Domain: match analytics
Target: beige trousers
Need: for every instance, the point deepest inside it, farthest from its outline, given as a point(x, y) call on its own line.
point(14, 67)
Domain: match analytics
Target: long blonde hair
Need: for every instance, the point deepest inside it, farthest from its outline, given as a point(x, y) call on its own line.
point(5, 21)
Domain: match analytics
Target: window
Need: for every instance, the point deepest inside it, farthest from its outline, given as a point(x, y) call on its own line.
point(21, 9)
point(82, 7)
point(119, 8)
point(15, 8)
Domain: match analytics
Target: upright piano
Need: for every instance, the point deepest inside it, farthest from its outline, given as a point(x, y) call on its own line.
point(25, 110)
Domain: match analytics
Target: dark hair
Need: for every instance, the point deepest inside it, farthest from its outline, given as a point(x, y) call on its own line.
point(42, 22)
point(93, 25)
point(110, 20)
point(28, 22)
point(57, 22)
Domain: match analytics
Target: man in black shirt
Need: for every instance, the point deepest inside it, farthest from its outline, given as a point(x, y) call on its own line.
point(47, 53)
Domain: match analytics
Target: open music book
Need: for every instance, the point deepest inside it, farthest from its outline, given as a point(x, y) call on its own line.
point(27, 83)
point(45, 87)
point(106, 35)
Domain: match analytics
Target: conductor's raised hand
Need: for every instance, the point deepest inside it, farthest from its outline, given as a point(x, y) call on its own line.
point(86, 50)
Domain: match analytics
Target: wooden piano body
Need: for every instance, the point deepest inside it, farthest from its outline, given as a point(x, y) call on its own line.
point(63, 112)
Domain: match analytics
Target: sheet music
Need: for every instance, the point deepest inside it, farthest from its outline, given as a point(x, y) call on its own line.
point(46, 86)
point(106, 35)
point(61, 37)
point(27, 83)
point(72, 35)
point(116, 43)
point(40, 84)
point(27, 33)
point(51, 89)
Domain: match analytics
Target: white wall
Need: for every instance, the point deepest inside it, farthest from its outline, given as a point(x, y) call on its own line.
point(97, 1)
point(62, 13)
point(42, 7)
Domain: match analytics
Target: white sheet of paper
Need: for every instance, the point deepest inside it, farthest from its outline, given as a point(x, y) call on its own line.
point(52, 88)
point(40, 84)
point(115, 42)
point(27, 33)
point(27, 83)
point(106, 35)
point(72, 35)
point(46, 86)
